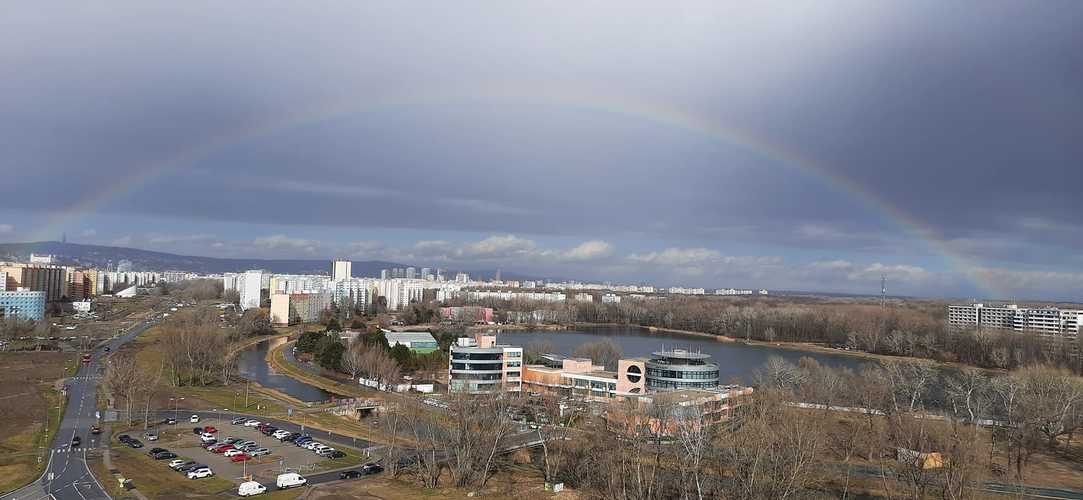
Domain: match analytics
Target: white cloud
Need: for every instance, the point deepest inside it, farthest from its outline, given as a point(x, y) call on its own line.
point(7, 228)
point(589, 250)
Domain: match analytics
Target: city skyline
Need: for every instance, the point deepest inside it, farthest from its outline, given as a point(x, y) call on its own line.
point(812, 148)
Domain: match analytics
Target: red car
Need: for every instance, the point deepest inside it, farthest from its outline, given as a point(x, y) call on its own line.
point(210, 429)
point(240, 458)
point(262, 426)
point(222, 449)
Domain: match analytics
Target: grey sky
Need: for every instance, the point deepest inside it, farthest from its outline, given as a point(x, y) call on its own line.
point(511, 134)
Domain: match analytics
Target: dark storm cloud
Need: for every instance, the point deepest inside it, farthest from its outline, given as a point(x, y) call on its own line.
point(967, 117)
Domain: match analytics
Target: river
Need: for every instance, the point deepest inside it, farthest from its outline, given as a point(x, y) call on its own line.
point(252, 365)
point(736, 361)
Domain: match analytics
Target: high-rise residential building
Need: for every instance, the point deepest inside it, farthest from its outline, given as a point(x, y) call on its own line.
point(251, 290)
point(462, 278)
point(426, 273)
point(411, 273)
point(124, 266)
point(341, 270)
point(22, 304)
point(385, 274)
point(39, 278)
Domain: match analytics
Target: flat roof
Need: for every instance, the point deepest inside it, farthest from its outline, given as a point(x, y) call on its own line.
point(409, 337)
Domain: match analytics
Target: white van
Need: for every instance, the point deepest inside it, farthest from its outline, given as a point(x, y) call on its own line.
point(250, 488)
point(290, 480)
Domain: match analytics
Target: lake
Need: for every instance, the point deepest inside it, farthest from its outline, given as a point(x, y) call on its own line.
point(736, 361)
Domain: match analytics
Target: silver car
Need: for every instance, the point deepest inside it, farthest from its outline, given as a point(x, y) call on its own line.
point(259, 451)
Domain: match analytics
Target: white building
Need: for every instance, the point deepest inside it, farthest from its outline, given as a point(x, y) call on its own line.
point(251, 289)
point(1043, 320)
point(341, 270)
point(611, 298)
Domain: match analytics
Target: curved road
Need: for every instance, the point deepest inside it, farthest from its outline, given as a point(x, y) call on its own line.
point(67, 476)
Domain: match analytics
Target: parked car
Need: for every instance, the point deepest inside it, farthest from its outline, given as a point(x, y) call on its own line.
point(76, 441)
point(325, 452)
point(251, 423)
point(207, 445)
point(250, 446)
point(200, 473)
point(350, 474)
point(194, 419)
point(197, 430)
point(311, 445)
point(242, 443)
point(171, 421)
point(250, 488)
point(177, 463)
point(150, 436)
point(290, 480)
point(124, 438)
point(371, 468)
point(210, 429)
point(281, 433)
point(223, 448)
point(243, 457)
point(232, 452)
point(336, 454)
point(259, 451)
point(239, 421)
point(207, 437)
point(134, 443)
point(164, 455)
point(231, 440)
point(302, 440)
point(95, 430)
point(152, 451)
point(189, 466)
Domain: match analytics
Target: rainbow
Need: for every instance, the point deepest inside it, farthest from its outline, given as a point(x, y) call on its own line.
point(578, 97)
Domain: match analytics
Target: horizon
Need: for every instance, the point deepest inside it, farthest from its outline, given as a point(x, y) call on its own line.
point(813, 146)
point(486, 274)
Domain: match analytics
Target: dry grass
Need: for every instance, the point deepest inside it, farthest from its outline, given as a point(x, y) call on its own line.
point(27, 398)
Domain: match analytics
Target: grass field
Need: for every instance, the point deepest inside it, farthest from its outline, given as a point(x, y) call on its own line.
point(27, 398)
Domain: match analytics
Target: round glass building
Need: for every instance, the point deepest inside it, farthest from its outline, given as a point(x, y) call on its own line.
point(681, 369)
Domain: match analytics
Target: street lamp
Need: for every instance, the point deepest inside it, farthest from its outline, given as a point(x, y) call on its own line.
point(176, 402)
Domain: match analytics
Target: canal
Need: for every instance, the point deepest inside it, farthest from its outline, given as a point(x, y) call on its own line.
point(252, 364)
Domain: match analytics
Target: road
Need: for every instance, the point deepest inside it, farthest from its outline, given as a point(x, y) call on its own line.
point(67, 476)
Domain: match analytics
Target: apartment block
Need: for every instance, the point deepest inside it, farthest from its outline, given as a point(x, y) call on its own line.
point(1043, 320)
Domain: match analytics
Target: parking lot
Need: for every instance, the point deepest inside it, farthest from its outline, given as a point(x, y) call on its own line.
point(182, 440)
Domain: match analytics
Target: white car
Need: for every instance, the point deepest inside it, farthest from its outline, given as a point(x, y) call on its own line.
point(311, 445)
point(232, 453)
point(323, 452)
point(290, 480)
point(194, 419)
point(173, 464)
point(251, 423)
point(200, 473)
point(249, 488)
point(207, 437)
point(279, 434)
point(259, 451)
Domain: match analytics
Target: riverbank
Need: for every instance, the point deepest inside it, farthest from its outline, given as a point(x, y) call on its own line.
point(276, 357)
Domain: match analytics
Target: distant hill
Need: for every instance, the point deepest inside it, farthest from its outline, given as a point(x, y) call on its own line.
point(106, 257)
